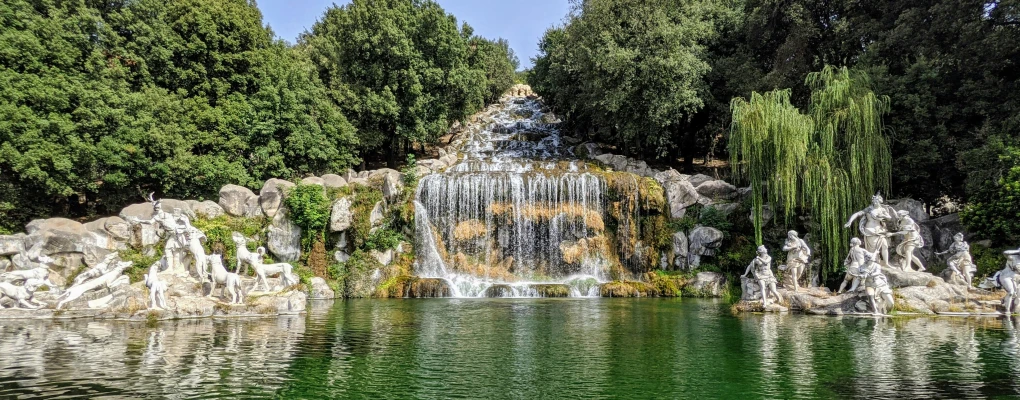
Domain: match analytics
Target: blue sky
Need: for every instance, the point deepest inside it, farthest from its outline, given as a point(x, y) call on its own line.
point(522, 22)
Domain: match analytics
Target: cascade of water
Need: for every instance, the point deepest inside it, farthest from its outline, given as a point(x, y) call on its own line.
point(517, 211)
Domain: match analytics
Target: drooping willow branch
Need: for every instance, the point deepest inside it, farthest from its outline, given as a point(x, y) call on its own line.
point(824, 162)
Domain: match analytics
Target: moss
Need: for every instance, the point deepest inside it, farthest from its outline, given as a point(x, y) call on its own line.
point(552, 290)
point(365, 199)
point(668, 284)
point(628, 289)
point(317, 260)
point(406, 286)
point(652, 196)
point(140, 262)
point(152, 319)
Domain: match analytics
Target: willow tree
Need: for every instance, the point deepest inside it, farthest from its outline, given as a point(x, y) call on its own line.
point(822, 163)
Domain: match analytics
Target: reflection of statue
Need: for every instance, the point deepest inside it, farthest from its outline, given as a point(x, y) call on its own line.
point(876, 285)
point(1006, 278)
point(855, 259)
point(873, 226)
point(183, 240)
point(761, 268)
point(797, 255)
point(960, 262)
point(157, 288)
point(912, 240)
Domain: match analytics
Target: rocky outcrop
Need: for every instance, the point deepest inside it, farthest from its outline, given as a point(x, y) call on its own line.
point(235, 201)
point(284, 238)
point(341, 217)
point(272, 194)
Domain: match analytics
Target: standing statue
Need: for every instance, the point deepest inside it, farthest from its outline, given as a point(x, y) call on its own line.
point(157, 288)
point(873, 226)
point(797, 255)
point(231, 281)
point(243, 255)
point(761, 268)
point(912, 240)
point(853, 263)
point(263, 270)
point(876, 285)
point(184, 242)
point(960, 263)
point(1006, 278)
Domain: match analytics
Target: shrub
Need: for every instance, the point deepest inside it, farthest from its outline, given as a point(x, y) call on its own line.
point(309, 209)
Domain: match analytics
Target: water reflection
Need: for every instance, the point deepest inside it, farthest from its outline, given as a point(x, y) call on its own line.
point(543, 348)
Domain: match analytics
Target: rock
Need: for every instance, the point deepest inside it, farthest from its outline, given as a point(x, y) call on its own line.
point(234, 200)
point(766, 215)
point(284, 238)
point(704, 241)
point(717, 190)
point(942, 230)
point(333, 181)
point(587, 150)
point(680, 248)
point(320, 290)
point(432, 164)
point(421, 171)
point(272, 194)
point(349, 174)
point(639, 168)
point(54, 224)
point(726, 209)
point(382, 173)
point(377, 215)
point(313, 180)
point(358, 181)
point(341, 217)
point(392, 186)
point(341, 256)
point(698, 179)
point(4, 264)
point(914, 207)
point(207, 209)
point(384, 257)
point(292, 302)
point(252, 209)
point(549, 118)
point(899, 278)
point(680, 194)
point(709, 284)
point(450, 159)
point(12, 244)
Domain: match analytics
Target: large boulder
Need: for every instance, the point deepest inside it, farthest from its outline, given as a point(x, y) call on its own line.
point(54, 224)
point(272, 194)
point(313, 180)
point(234, 200)
point(207, 209)
point(284, 238)
point(587, 150)
point(914, 207)
point(12, 244)
point(899, 278)
point(680, 194)
point(320, 289)
point(717, 190)
point(377, 215)
point(708, 284)
point(334, 181)
point(341, 217)
point(704, 241)
point(392, 186)
point(680, 248)
point(942, 230)
point(698, 179)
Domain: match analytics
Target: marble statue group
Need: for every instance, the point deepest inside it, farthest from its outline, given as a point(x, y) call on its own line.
point(183, 252)
point(869, 254)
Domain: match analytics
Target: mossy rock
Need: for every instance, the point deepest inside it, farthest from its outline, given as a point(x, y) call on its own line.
point(413, 287)
point(628, 289)
point(552, 290)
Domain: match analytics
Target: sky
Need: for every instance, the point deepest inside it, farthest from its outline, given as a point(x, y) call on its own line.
point(522, 22)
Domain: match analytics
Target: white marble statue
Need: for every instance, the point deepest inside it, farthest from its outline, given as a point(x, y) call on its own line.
point(102, 267)
point(111, 279)
point(39, 273)
point(184, 242)
point(263, 270)
point(22, 295)
point(797, 256)
point(157, 288)
point(912, 240)
point(231, 282)
point(873, 226)
point(1007, 279)
point(853, 263)
point(960, 262)
point(761, 269)
point(243, 255)
point(876, 285)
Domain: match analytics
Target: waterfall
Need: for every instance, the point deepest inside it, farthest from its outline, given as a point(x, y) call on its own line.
point(516, 214)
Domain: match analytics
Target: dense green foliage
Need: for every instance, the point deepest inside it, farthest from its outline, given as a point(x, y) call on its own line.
point(403, 71)
point(994, 212)
point(309, 208)
point(823, 163)
point(101, 102)
point(949, 68)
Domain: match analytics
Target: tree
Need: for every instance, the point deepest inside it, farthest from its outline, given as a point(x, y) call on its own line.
point(824, 162)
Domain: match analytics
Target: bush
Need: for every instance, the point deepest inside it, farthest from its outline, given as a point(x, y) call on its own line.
point(995, 210)
point(309, 209)
point(382, 239)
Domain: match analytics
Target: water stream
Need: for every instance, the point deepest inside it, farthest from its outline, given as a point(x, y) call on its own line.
point(516, 214)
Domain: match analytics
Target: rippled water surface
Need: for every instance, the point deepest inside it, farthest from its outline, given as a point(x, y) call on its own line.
point(514, 348)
